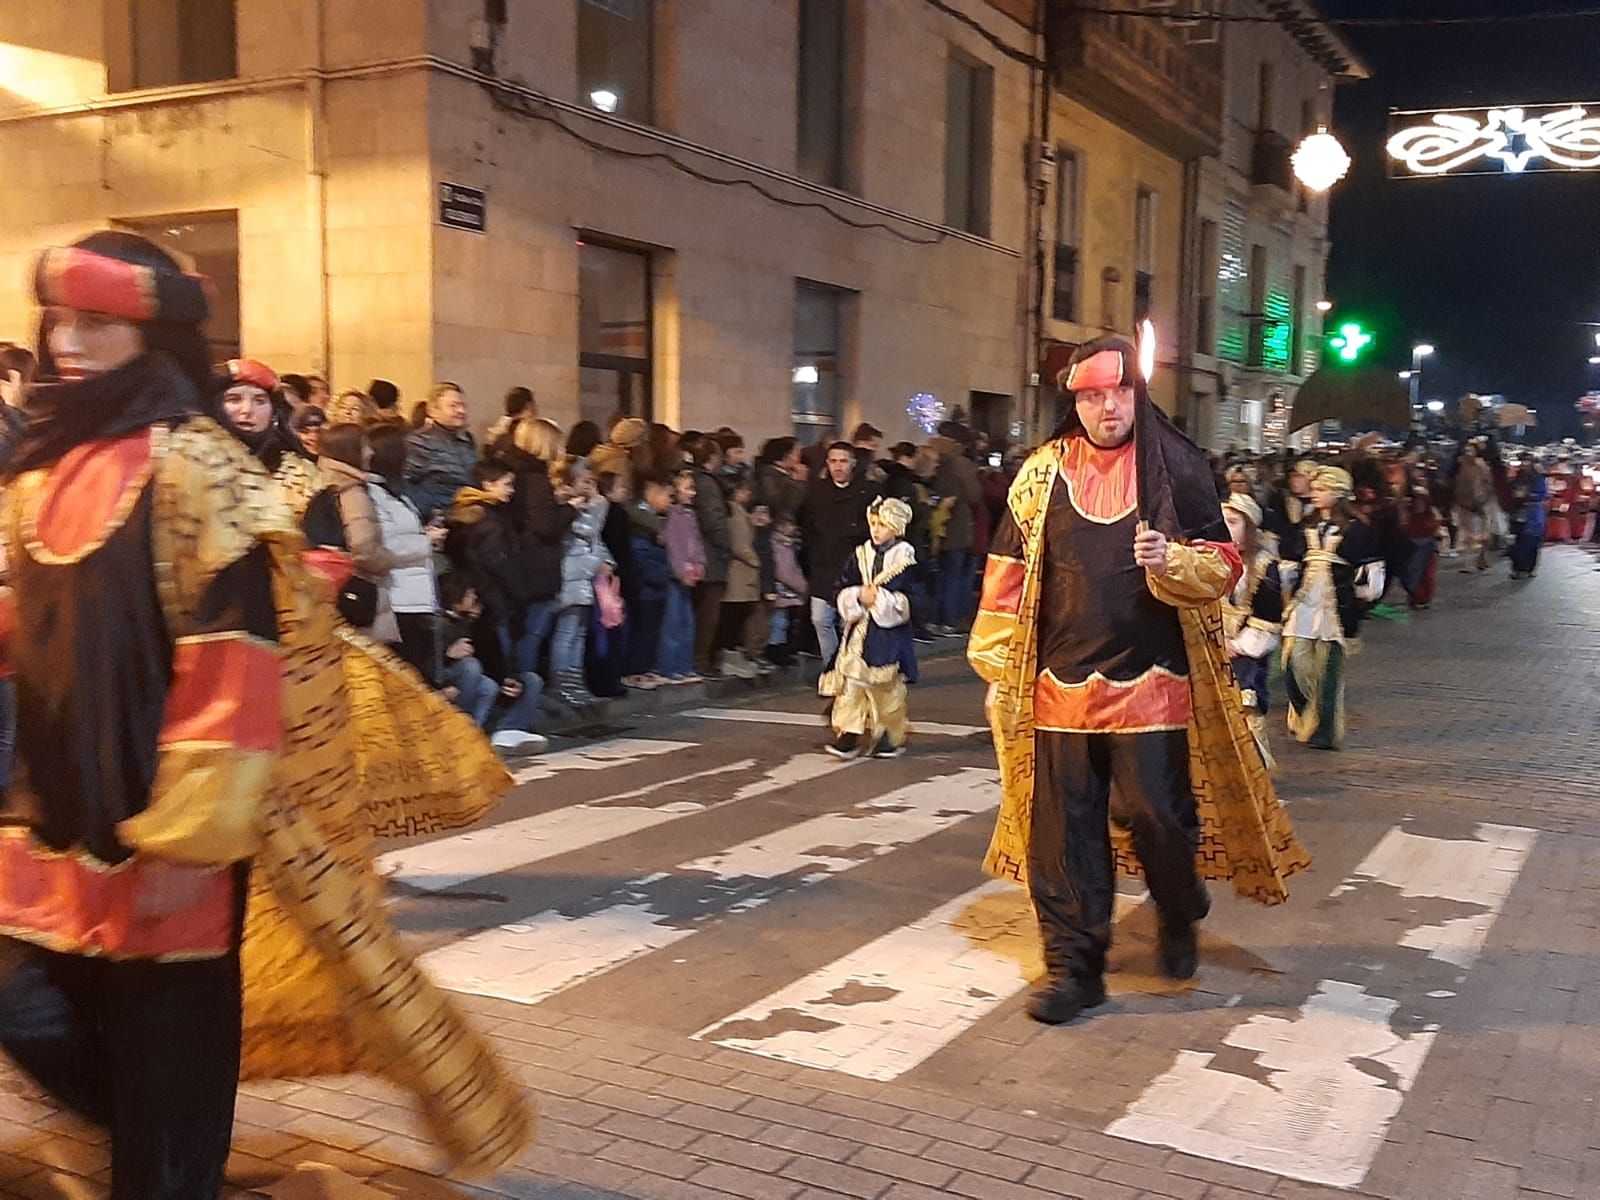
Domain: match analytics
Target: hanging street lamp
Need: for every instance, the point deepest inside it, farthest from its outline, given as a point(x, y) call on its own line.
point(1320, 161)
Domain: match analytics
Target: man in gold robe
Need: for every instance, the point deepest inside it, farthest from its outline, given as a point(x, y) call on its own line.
point(1111, 697)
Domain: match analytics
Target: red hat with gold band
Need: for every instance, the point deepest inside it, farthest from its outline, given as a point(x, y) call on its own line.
point(1106, 362)
point(74, 277)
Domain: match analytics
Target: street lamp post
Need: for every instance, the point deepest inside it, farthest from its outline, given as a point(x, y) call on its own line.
point(1418, 352)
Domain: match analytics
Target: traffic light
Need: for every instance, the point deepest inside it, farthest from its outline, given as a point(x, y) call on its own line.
point(1351, 341)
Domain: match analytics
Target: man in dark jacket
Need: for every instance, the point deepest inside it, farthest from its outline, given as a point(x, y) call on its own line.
point(439, 456)
point(711, 514)
point(901, 482)
point(960, 490)
point(481, 543)
point(833, 522)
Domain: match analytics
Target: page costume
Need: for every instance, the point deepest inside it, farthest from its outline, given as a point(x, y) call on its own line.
point(1252, 622)
point(1114, 699)
point(877, 656)
point(181, 706)
point(1338, 571)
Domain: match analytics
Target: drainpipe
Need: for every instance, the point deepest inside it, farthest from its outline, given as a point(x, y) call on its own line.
point(316, 155)
point(1188, 278)
point(1039, 151)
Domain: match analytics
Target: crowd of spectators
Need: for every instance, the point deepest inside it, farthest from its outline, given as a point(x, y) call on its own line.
point(545, 569)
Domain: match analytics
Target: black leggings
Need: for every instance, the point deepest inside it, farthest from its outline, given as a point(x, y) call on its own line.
point(148, 1050)
point(419, 644)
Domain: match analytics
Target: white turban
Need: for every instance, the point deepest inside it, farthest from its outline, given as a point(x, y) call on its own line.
point(1244, 505)
point(896, 514)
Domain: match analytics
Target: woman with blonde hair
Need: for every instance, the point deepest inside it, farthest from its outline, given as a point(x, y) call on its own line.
point(541, 521)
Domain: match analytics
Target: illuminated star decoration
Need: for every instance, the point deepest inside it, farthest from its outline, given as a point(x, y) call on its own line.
point(1350, 341)
point(1563, 137)
point(926, 411)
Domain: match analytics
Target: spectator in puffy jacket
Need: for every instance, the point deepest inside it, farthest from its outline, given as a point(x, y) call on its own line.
point(741, 603)
point(407, 596)
point(686, 558)
point(541, 522)
point(651, 576)
point(481, 543)
point(960, 491)
point(441, 453)
point(585, 557)
point(711, 513)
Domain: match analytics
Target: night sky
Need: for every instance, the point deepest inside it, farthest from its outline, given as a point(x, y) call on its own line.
point(1497, 271)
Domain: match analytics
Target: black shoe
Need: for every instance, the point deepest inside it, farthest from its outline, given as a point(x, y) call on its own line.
point(887, 749)
point(1180, 953)
point(923, 636)
point(1058, 1003)
point(846, 745)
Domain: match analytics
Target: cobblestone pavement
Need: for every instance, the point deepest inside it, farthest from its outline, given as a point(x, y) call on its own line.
point(724, 965)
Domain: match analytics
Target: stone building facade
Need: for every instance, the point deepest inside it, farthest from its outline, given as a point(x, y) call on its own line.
point(792, 214)
point(1259, 239)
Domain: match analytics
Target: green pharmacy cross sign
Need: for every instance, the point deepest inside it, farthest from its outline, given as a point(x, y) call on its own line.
point(1351, 342)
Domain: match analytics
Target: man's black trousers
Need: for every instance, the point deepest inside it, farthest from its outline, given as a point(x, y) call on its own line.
point(1138, 780)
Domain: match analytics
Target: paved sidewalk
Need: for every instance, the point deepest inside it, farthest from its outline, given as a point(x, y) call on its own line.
point(1472, 741)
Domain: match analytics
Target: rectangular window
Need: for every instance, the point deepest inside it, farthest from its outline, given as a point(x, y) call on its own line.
point(820, 141)
point(1297, 324)
point(969, 105)
point(1144, 250)
point(163, 43)
point(1069, 185)
point(616, 53)
point(1210, 276)
point(614, 336)
point(818, 361)
point(1257, 315)
point(211, 242)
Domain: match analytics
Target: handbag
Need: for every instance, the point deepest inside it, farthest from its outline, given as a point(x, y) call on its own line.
point(608, 601)
point(358, 601)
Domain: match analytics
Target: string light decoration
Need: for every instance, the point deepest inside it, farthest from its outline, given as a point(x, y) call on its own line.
point(1147, 349)
point(926, 411)
point(1320, 161)
point(1480, 141)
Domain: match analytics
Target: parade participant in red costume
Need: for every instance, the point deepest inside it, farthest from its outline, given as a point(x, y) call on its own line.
point(1101, 634)
point(156, 589)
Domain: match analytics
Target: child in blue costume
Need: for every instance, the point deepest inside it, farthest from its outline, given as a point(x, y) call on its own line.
point(877, 656)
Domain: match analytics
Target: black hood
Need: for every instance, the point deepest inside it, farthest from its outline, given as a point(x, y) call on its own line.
point(1177, 490)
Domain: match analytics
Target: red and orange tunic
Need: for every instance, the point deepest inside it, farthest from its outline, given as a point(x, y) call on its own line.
point(1110, 654)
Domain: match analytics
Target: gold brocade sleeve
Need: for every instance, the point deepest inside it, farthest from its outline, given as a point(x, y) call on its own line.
point(989, 643)
point(1196, 574)
point(204, 805)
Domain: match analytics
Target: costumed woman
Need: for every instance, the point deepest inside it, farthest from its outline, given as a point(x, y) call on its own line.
point(1339, 571)
point(1252, 615)
point(1100, 633)
point(877, 657)
point(157, 597)
point(1529, 496)
point(243, 398)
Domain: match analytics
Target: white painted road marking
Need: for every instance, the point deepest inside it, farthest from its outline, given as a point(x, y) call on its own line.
point(756, 716)
point(530, 960)
point(1339, 1069)
point(601, 756)
point(464, 857)
point(889, 1005)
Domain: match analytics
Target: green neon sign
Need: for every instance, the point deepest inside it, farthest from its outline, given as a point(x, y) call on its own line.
point(1351, 341)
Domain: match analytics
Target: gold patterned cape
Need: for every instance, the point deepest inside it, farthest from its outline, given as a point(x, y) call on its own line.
point(328, 986)
point(1245, 835)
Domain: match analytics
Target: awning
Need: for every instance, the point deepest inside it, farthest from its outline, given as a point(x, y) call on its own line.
point(1343, 393)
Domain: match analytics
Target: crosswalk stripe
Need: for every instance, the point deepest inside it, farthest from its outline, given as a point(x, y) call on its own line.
point(449, 862)
point(527, 961)
point(754, 716)
point(889, 1005)
point(601, 756)
point(1328, 1080)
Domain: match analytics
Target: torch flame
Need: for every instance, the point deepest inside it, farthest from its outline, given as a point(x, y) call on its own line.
point(1147, 349)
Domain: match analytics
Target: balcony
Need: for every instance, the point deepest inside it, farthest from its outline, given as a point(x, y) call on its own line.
point(1269, 162)
point(1139, 72)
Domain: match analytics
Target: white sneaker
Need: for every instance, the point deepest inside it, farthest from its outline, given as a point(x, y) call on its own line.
point(519, 742)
